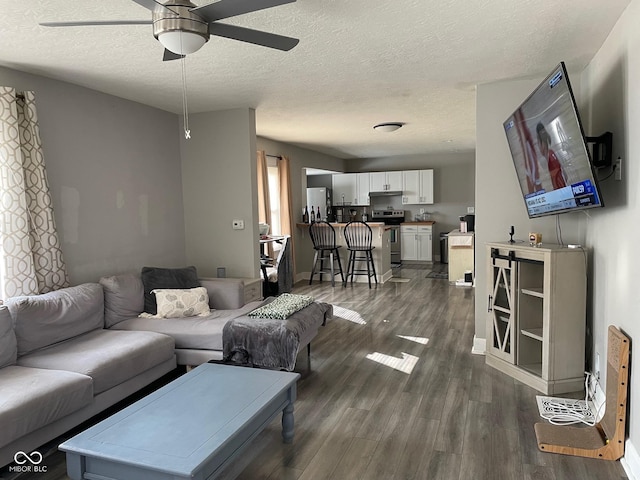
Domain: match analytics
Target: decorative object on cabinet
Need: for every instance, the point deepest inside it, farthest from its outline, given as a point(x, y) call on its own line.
point(604, 440)
point(537, 314)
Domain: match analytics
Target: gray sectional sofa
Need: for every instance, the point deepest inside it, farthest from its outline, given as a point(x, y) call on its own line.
point(60, 366)
point(67, 355)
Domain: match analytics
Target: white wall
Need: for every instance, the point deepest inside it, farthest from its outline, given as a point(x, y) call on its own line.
point(611, 82)
point(219, 184)
point(114, 171)
point(608, 95)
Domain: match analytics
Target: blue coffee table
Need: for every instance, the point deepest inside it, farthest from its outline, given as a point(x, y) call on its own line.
point(190, 428)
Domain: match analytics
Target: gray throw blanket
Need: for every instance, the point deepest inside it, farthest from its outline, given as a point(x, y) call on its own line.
point(272, 343)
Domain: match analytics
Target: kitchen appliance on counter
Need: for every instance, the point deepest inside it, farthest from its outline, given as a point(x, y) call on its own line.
point(393, 219)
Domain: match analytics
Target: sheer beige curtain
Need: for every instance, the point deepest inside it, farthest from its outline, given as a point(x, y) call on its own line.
point(286, 208)
point(30, 254)
point(264, 204)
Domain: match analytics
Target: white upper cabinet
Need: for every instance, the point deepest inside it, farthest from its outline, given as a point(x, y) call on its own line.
point(417, 187)
point(350, 189)
point(362, 188)
point(344, 189)
point(385, 181)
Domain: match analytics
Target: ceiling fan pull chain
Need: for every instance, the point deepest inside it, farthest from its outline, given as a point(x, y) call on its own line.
point(185, 111)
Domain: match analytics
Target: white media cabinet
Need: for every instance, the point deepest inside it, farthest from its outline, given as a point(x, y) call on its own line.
point(536, 316)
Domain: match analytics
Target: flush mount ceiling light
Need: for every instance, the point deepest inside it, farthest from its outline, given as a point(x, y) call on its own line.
point(387, 127)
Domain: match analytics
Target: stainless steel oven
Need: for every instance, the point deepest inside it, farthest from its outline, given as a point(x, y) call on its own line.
point(393, 219)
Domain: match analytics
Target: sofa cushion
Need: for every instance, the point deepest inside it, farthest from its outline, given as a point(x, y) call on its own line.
point(155, 277)
point(202, 333)
point(8, 344)
point(181, 302)
point(42, 320)
point(109, 357)
point(123, 297)
point(34, 397)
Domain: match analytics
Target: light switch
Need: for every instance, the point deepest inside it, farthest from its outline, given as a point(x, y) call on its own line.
point(238, 224)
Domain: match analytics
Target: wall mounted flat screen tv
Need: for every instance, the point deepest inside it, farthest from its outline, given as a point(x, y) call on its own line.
point(550, 152)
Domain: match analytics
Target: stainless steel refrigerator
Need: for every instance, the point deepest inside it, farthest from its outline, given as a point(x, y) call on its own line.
point(319, 197)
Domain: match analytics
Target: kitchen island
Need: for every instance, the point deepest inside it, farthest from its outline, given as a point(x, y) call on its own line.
point(381, 252)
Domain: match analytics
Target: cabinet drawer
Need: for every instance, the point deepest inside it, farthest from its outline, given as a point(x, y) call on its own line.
point(425, 229)
point(408, 229)
point(252, 290)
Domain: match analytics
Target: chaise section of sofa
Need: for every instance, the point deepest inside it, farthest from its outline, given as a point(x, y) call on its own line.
point(60, 366)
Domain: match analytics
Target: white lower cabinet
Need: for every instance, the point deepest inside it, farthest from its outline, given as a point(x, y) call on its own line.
point(417, 242)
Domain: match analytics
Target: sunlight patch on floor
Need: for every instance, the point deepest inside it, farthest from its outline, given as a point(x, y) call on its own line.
point(404, 364)
point(347, 314)
point(420, 340)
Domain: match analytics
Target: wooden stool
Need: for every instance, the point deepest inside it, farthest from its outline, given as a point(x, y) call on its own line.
point(359, 236)
point(323, 237)
point(605, 440)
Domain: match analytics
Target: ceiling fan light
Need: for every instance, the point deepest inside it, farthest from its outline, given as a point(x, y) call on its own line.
point(387, 127)
point(180, 42)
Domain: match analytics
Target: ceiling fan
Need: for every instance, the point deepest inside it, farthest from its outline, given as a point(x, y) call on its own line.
point(183, 28)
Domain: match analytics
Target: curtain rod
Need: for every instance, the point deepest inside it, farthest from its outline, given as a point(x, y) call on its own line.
point(279, 157)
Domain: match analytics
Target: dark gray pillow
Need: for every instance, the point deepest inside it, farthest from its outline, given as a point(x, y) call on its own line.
point(155, 277)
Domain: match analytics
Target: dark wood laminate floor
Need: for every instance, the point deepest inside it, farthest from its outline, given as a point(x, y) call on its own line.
point(395, 393)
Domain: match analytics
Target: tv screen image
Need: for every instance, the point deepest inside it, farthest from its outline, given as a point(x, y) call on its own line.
point(549, 150)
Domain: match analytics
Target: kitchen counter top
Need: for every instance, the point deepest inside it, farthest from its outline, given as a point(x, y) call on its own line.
point(427, 222)
point(342, 225)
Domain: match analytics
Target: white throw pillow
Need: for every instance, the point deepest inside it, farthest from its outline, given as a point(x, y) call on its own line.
point(181, 302)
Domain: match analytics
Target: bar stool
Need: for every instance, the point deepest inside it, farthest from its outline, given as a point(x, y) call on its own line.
point(359, 236)
point(323, 237)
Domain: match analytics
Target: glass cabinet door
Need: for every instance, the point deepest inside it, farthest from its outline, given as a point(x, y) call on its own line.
point(502, 309)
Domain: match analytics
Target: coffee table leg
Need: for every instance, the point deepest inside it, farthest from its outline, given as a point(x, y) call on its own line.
point(287, 423)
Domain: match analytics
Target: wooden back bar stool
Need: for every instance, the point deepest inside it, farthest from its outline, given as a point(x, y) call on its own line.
point(359, 237)
point(323, 237)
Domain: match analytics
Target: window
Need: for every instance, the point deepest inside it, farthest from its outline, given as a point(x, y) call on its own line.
point(274, 195)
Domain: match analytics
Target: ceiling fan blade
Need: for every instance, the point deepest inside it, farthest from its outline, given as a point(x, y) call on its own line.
point(94, 23)
point(154, 6)
point(256, 37)
point(230, 8)
point(169, 55)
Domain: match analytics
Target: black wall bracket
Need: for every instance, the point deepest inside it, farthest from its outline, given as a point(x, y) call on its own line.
point(602, 154)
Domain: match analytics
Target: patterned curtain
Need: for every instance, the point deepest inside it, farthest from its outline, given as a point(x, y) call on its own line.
point(30, 254)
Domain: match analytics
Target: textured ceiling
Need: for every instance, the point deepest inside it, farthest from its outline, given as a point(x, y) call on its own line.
point(358, 63)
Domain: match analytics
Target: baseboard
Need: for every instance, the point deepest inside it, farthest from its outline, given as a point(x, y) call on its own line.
point(479, 346)
point(631, 461)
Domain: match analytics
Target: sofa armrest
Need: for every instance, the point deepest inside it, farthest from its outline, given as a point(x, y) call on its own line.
point(224, 293)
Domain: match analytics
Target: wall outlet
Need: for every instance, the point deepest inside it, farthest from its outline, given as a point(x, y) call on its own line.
point(471, 210)
point(421, 211)
point(618, 166)
point(238, 224)
point(597, 367)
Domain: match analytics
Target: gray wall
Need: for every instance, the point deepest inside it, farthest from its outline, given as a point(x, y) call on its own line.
point(114, 171)
point(219, 185)
point(453, 183)
point(608, 99)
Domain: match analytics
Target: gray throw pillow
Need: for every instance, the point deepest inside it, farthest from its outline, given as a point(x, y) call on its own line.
point(156, 277)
